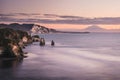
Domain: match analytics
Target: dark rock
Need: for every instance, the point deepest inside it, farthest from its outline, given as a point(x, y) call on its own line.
point(17, 26)
point(35, 38)
point(11, 42)
point(42, 42)
point(52, 43)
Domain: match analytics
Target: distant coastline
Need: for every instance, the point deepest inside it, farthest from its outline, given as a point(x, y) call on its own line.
point(72, 32)
point(34, 28)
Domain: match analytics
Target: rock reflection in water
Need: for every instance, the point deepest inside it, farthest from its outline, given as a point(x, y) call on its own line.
point(13, 63)
point(9, 68)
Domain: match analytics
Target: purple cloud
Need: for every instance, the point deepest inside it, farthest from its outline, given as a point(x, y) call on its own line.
point(60, 19)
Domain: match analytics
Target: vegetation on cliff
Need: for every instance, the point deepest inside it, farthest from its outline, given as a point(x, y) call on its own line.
point(17, 26)
point(12, 41)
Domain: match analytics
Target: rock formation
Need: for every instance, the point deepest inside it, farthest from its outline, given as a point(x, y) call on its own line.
point(11, 42)
point(32, 28)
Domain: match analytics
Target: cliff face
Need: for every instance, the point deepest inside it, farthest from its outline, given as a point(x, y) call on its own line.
point(42, 29)
point(11, 42)
point(39, 29)
point(28, 27)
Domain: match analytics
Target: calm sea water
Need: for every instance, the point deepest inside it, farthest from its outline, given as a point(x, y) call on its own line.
point(92, 41)
point(94, 56)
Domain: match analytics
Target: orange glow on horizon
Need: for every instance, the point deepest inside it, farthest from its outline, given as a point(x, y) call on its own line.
point(71, 26)
point(65, 26)
point(110, 26)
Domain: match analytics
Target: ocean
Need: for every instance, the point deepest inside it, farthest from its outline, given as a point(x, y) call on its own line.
point(93, 56)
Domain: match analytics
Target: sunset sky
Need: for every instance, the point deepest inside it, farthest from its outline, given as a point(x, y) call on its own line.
point(62, 14)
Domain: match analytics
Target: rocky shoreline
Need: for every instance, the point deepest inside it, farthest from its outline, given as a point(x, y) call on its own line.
point(14, 37)
point(12, 42)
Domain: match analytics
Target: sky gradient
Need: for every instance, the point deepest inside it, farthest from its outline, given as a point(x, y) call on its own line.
point(63, 14)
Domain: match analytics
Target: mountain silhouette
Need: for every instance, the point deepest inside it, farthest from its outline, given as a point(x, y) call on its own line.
point(95, 28)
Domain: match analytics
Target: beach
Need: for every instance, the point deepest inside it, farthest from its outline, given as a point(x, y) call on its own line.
point(74, 57)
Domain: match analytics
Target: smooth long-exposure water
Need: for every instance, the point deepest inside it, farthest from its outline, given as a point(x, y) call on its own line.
point(94, 56)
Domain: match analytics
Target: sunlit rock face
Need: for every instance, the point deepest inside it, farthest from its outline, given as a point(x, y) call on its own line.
point(39, 29)
point(42, 29)
point(25, 39)
point(9, 50)
point(9, 42)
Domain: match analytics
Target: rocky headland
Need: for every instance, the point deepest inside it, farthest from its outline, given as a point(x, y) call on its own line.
point(14, 37)
point(12, 41)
